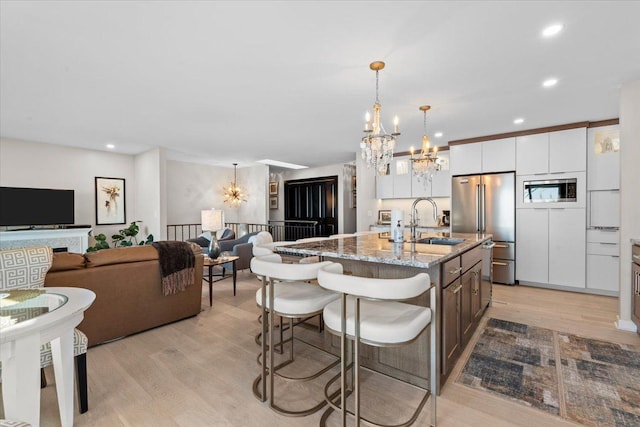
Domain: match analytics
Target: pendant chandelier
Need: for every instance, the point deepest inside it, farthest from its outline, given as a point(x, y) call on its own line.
point(377, 145)
point(233, 194)
point(426, 164)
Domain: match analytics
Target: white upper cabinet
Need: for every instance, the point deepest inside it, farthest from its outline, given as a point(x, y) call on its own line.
point(532, 154)
point(552, 152)
point(465, 159)
point(603, 158)
point(440, 184)
point(384, 184)
point(483, 157)
point(567, 150)
point(402, 177)
point(499, 155)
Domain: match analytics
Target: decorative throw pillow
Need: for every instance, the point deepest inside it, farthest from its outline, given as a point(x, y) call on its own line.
point(24, 267)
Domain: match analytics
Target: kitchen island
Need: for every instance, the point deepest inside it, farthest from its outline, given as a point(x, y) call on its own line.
point(453, 262)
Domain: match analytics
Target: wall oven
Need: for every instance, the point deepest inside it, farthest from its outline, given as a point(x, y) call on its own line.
point(550, 190)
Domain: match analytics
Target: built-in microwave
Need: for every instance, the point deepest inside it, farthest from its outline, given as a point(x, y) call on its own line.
point(550, 190)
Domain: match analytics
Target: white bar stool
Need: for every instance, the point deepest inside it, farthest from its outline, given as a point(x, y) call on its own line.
point(369, 312)
point(285, 288)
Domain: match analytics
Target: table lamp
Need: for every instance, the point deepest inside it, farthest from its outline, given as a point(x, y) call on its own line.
point(213, 220)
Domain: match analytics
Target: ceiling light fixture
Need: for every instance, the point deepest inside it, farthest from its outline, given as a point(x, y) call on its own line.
point(550, 82)
point(438, 134)
point(426, 164)
point(552, 30)
point(518, 121)
point(233, 194)
point(377, 145)
point(110, 146)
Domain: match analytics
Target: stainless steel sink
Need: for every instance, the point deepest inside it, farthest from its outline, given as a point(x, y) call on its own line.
point(449, 241)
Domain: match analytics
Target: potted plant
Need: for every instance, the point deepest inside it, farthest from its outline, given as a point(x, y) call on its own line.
point(125, 237)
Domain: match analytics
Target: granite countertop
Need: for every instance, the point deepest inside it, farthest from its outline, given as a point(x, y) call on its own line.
point(375, 247)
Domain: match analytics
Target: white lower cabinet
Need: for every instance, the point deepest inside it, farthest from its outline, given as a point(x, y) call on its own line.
point(551, 246)
point(532, 245)
point(567, 244)
point(603, 260)
point(603, 273)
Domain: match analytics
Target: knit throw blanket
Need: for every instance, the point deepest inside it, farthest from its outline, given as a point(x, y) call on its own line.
point(177, 263)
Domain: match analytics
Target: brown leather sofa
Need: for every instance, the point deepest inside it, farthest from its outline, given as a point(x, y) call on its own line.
point(127, 284)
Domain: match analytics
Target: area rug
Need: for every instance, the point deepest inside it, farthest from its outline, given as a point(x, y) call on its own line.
point(596, 383)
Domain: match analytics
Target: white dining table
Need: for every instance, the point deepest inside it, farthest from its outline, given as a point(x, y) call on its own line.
point(28, 319)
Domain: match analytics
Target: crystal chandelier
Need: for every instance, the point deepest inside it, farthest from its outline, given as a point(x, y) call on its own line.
point(377, 145)
point(233, 194)
point(426, 163)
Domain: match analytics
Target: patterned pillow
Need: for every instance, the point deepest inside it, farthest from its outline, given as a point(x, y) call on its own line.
point(24, 267)
point(12, 423)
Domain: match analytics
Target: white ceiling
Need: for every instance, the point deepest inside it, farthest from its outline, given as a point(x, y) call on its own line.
point(224, 82)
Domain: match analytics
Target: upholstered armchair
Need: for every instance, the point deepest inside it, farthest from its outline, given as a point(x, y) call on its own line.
point(25, 268)
point(204, 239)
point(242, 248)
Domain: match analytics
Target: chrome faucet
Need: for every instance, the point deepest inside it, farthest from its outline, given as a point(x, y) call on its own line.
point(414, 213)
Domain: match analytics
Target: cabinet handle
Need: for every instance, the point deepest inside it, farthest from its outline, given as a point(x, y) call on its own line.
point(502, 264)
point(457, 289)
point(455, 270)
point(635, 256)
point(500, 246)
point(606, 243)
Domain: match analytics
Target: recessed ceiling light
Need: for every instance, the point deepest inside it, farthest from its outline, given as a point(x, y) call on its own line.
point(438, 134)
point(110, 146)
point(552, 30)
point(518, 121)
point(549, 82)
point(281, 164)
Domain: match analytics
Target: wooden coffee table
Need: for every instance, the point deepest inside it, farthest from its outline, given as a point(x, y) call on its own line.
point(210, 263)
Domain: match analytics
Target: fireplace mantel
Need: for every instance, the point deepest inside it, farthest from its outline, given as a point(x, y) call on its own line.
point(70, 239)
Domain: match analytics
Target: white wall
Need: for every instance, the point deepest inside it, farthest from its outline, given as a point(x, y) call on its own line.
point(368, 205)
point(254, 181)
point(158, 191)
point(150, 201)
point(629, 192)
point(346, 213)
point(31, 164)
point(192, 187)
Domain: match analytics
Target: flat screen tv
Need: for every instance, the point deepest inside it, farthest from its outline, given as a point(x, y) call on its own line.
point(35, 206)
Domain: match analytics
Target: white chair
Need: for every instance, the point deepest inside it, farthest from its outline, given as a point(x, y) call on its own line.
point(369, 312)
point(26, 268)
point(286, 292)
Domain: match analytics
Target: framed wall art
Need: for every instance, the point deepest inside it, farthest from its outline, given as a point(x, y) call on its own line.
point(273, 188)
point(273, 202)
point(384, 217)
point(110, 201)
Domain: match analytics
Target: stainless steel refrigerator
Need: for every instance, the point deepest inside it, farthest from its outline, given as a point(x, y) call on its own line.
point(486, 204)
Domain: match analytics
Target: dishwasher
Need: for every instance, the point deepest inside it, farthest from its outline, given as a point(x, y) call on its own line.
point(487, 273)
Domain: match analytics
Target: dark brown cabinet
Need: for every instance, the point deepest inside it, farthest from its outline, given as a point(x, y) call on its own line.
point(635, 286)
point(450, 324)
point(462, 305)
point(472, 309)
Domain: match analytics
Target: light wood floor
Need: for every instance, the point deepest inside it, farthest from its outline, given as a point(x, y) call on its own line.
point(198, 372)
